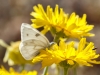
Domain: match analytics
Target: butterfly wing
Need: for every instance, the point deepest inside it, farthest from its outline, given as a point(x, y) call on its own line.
point(30, 48)
point(28, 32)
point(32, 41)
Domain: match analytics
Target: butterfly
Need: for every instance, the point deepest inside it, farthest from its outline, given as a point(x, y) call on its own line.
point(32, 41)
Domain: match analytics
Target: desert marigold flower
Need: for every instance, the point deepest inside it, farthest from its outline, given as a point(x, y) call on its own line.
point(11, 71)
point(83, 55)
point(13, 55)
point(49, 18)
point(57, 21)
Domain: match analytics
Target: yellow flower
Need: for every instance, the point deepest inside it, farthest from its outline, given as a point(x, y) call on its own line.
point(3, 71)
point(83, 55)
point(57, 21)
point(49, 18)
point(13, 55)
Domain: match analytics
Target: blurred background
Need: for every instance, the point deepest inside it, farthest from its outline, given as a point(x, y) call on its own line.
point(15, 12)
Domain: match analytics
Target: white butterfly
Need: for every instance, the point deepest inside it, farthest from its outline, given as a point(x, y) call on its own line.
point(32, 41)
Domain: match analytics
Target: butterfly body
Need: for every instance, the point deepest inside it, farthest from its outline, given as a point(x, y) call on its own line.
point(32, 41)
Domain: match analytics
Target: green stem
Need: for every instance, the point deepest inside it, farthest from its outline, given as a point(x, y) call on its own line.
point(65, 71)
point(58, 70)
point(56, 39)
point(22, 67)
point(75, 71)
point(45, 71)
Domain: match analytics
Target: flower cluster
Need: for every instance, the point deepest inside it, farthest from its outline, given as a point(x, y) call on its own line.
point(11, 71)
point(65, 26)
